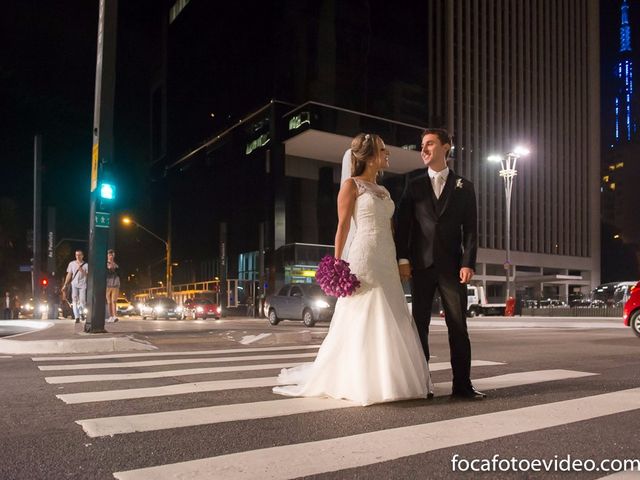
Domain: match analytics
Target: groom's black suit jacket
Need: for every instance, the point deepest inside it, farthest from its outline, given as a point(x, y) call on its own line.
point(440, 232)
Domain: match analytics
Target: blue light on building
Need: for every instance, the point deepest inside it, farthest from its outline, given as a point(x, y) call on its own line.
point(624, 74)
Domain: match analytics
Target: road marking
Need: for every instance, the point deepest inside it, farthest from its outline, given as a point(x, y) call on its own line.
point(521, 378)
point(165, 373)
point(181, 389)
point(335, 454)
point(157, 363)
point(176, 354)
point(100, 427)
point(197, 371)
point(6, 356)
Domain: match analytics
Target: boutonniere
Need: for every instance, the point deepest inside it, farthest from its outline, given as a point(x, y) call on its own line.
point(459, 183)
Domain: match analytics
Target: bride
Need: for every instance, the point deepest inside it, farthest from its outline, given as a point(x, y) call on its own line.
point(372, 353)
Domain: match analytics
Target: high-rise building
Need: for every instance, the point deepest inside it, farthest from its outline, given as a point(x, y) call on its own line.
point(620, 165)
point(507, 72)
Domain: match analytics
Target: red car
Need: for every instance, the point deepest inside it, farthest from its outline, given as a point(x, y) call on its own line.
point(631, 311)
point(201, 308)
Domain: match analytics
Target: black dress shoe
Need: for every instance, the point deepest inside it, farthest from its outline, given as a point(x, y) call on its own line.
point(468, 394)
point(430, 396)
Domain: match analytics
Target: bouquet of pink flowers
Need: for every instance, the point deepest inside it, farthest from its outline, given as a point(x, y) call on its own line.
point(335, 278)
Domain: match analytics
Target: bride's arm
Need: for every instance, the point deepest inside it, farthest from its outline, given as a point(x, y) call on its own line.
point(346, 202)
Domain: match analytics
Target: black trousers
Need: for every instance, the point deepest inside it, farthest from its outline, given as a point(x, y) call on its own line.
point(424, 283)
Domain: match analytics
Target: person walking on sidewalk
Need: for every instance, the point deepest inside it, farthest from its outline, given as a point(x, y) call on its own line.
point(113, 285)
point(7, 306)
point(77, 272)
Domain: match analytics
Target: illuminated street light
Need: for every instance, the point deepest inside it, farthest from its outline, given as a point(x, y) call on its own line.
point(169, 270)
point(508, 172)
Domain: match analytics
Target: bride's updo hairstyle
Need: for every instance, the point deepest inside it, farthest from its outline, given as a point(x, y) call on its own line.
point(364, 147)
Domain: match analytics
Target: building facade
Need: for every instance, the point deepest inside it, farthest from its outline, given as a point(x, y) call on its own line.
point(503, 73)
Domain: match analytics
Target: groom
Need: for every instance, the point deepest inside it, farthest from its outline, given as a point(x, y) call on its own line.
point(437, 241)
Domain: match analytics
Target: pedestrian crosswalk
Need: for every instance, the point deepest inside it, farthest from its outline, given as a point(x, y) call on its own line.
point(253, 370)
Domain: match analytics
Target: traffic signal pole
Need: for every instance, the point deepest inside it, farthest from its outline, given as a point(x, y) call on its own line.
point(102, 193)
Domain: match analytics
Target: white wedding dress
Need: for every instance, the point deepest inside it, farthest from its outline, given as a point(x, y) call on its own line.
point(372, 353)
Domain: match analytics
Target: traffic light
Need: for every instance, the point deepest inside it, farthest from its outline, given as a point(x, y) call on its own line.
point(44, 282)
point(107, 191)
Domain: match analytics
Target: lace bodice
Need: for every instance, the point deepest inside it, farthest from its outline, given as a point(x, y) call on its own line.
point(372, 188)
point(372, 253)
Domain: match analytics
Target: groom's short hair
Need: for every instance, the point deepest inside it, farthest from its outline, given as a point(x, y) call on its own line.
point(441, 133)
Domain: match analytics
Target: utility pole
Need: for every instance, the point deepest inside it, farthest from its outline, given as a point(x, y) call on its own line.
point(102, 188)
point(37, 220)
point(169, 273)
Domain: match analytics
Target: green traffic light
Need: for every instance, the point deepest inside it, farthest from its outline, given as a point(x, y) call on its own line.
point(107, 191)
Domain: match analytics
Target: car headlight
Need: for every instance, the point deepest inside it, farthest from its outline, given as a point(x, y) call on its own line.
point(321, 304)
point(28, 307)
point(178, 309)
point(199, 309)
point(141, 306)
point(158, 309)
point(44, 308)
point(219, 310)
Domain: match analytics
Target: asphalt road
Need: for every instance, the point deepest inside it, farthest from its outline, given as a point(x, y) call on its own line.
point(552, 392)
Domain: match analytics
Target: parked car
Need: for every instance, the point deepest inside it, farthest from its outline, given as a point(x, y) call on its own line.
point(201, 307)
point(161, 307)
point(124, 306)
point(631, 310)
point(306, 302)
point(622, 293)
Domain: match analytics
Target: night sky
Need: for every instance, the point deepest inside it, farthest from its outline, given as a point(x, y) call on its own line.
point(47, 75)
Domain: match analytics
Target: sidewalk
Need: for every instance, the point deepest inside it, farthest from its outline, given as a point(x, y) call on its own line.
point(65, 336)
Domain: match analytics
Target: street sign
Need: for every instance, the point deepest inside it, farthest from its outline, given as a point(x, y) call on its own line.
point(103, 219)
point(24, 268)
point(94, 166)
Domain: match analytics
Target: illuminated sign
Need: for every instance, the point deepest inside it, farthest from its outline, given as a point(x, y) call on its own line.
point(261, 141)
point(297, 121)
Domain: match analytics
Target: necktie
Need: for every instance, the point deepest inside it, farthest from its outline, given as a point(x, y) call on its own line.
point(439, 185)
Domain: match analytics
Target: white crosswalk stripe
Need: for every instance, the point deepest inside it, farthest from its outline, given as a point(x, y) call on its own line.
point(308, 457)
point(166, 373)
point(175, 354)
point(157, 363)
point(312, 458)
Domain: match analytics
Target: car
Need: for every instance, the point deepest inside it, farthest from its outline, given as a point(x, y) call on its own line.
point(631, 310)
point(300, 301)
point(161, 307)
point(201, 307)
point(124, 306)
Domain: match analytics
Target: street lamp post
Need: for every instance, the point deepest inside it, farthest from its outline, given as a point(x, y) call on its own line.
point(508, 172)
point(167, 245)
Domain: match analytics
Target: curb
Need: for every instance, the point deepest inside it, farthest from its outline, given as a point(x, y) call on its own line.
point(79, 345)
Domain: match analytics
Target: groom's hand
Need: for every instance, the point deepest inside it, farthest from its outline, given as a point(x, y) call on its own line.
point(466, 274)
point(405, 271)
